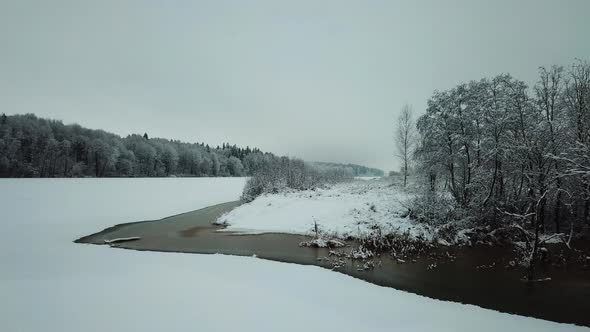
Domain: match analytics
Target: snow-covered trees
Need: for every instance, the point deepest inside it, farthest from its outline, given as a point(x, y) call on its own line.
point(502, 149)
point(169, 159)
point(510, 155)
point(577, 157)
point(35, 147)
point(234, 166)
point(276, 174)
point(357, 170)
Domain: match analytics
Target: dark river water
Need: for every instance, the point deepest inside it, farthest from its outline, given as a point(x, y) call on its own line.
point(565, 298)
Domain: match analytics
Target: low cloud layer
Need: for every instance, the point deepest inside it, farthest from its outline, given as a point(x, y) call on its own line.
point(319, 80)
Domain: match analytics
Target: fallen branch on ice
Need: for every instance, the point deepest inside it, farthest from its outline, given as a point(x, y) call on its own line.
point(122, 239)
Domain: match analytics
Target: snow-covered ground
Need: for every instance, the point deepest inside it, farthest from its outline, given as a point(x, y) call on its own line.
point(348, 209)
point(367, 177)
point(48, 283)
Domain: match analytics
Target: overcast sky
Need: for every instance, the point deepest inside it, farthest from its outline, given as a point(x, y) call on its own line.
point(320, 80)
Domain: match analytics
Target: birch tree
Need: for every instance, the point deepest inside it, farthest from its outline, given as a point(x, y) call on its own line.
point(405, 139)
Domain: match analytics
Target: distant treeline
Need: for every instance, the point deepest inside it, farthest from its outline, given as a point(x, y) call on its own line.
point(356, 170)
point(284, 174)
point(35, 147)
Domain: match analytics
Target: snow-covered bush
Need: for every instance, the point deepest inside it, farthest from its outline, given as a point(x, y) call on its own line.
point(254, 187)
point(432, 208)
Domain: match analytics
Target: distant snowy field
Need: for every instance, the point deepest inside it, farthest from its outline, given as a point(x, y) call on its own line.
point(367, 177)
point(347, 209)
point(48, 283)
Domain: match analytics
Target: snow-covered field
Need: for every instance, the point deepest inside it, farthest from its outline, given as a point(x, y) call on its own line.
point(348, 209)
point(367, 177)
point(48, 283)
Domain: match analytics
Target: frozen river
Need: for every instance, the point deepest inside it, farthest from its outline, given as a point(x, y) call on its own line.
point(49, 283)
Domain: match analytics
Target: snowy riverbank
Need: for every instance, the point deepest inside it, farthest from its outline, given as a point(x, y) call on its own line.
point(347, 210)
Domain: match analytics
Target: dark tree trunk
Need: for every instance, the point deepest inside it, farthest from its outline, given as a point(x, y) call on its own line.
point(485, 202)
point(405, 173)
point(96, 164)
point(541, 204)
point(586, 198)
point(557, 210)
point(65, 167)
point(104, 165)
point(533, 262)
point(432, 179)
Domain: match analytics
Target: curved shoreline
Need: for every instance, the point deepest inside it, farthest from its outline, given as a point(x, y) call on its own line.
point(494, 288)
